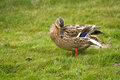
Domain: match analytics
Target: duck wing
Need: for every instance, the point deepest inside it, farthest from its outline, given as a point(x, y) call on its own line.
point(74, 30)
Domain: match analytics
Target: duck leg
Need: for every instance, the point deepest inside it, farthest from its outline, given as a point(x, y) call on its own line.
point(76, 51)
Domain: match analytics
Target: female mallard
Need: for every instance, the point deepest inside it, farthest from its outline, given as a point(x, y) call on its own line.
point(74, 37)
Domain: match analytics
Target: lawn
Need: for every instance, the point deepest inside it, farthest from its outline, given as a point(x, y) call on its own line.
point(24, 33)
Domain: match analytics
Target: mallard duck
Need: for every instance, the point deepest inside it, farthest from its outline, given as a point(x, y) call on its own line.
point(74, 37)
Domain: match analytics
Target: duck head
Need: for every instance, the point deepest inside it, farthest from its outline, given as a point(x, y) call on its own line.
point(60, 25)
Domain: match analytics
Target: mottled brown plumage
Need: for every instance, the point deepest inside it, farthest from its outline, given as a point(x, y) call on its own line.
point(69, 40)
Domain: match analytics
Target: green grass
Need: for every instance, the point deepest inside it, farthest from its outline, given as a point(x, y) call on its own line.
point(24, 32)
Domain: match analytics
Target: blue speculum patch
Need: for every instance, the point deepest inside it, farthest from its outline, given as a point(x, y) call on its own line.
point(83, 34)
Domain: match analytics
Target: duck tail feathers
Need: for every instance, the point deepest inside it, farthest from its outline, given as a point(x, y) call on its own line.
point(94, 42)
point(97, 27)
point(95, 30)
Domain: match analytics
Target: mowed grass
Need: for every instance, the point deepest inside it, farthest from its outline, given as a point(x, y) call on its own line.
point(24, 32)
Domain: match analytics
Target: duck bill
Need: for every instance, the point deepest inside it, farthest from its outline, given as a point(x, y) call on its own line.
point(60, 32)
